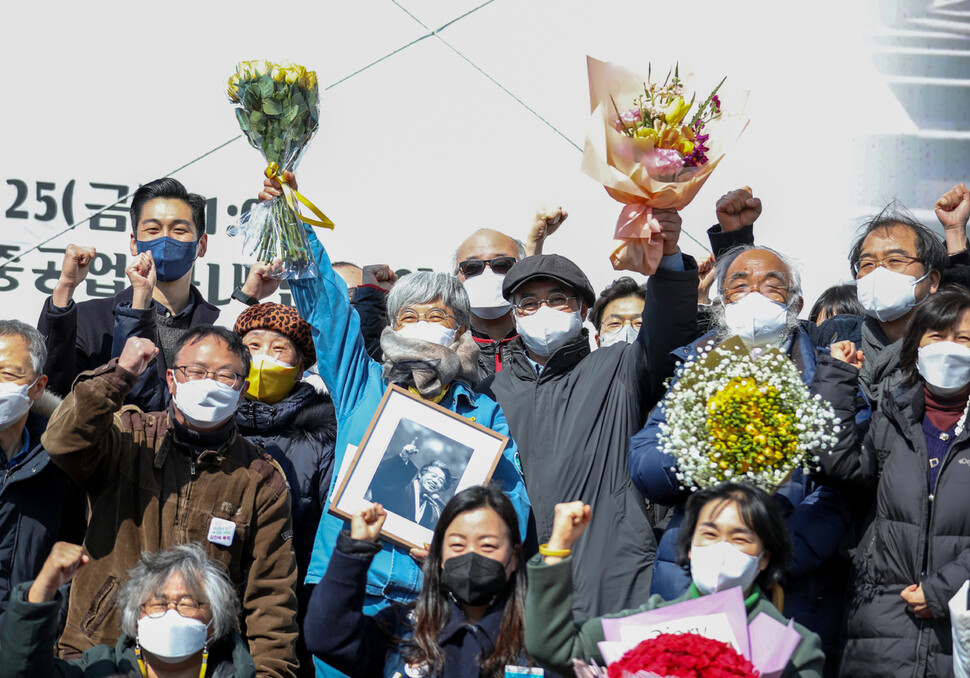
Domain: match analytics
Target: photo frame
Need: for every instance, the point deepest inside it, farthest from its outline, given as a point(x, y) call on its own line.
point(414, 456)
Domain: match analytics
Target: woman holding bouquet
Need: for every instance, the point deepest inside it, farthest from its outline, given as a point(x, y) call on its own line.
point(427, 349)
point(468, 619)
point(732, 535)
point(915, 554)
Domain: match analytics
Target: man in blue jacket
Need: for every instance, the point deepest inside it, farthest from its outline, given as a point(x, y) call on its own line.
point(758, 299)
point(39, 505)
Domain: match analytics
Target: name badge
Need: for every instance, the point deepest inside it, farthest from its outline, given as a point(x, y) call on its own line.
point(523, 671)
point(221, 531)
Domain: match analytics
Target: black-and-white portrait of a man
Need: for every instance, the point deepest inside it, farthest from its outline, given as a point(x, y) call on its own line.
point(418, 473)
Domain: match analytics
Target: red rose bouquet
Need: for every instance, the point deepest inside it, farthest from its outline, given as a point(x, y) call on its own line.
point(682, 655)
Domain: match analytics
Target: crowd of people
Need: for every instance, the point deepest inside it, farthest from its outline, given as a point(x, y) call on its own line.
point(164, 504)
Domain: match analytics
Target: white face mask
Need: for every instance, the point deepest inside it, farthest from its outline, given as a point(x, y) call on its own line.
point(14, 403)
point(722, 566)
point(885, 295)
point(485, 294)
point(547, 330)
point(172, 637)
point(627, 333)
point(944, 366)
point(756, 319)
point(434, 333)
point(205, 402)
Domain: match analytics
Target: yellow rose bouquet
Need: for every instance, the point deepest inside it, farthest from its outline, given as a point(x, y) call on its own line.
point(735, 416)
point(651, 147)
point(278, 109)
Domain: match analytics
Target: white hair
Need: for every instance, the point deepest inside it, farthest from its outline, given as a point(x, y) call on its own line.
point(204, 579)
point(424, 286)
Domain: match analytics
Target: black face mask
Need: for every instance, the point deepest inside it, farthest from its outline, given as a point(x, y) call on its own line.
point(473, 579)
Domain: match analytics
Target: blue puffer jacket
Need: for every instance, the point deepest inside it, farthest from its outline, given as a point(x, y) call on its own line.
point(356, 385)
point(819, 518)
point(39, 505)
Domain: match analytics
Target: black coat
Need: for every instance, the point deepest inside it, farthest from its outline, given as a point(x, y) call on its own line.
point(573, 425)
point(494, 355)
point(80, 336)
point(299, 432)
point(39, 505)
point(915, 538)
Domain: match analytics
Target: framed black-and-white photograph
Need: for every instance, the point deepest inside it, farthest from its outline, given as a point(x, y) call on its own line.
point(414, 457)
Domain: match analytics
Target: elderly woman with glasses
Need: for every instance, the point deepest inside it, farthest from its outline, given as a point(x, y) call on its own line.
point(178, 618)
point(428, 349)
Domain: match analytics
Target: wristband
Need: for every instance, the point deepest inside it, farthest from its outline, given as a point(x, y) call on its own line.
point(553, 553)
point(239, 295)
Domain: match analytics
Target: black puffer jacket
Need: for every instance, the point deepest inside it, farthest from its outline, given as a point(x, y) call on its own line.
point(915, 538)
point(299, 432)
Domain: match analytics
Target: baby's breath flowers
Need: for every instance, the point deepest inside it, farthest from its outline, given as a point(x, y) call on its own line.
point(733, 416)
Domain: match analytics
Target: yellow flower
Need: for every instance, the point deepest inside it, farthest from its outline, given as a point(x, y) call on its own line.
point(648, 133)
point(294, 74)
point(685, 147)
point(309, 80)
point(278, 73)
point(676, 110)
point(233, 88)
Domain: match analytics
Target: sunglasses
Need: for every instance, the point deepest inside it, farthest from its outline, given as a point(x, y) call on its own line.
point(472, 267)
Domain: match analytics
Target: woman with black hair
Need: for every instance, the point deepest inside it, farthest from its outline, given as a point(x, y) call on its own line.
point(468, 618)
point(732, 535)
point(915, 554)
point(836, 300)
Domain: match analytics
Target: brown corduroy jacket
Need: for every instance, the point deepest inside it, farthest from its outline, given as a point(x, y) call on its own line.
point(148, 492)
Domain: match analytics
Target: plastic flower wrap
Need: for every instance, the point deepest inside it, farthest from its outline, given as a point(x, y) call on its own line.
point(708, 636)
point(651, 147)
point(278, 109)
point(733, 416)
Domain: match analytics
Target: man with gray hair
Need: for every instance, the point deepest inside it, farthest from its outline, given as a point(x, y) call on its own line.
point(757, 298)
point(179, 616)
point(39, 504)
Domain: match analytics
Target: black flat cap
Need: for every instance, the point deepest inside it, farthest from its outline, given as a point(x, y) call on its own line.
point(548, 266)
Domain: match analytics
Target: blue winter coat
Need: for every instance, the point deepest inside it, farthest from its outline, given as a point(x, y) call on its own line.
point(818, 517)
point(356, 385)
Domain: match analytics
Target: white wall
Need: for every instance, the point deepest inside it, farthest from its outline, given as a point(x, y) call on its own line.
point(419, 150)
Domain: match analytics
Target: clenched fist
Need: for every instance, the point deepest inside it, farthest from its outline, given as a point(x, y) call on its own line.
point(737, 209)
point(74, 269)
point(137, 354)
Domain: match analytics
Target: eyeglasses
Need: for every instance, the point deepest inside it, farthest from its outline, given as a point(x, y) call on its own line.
point(409, 316)
point(897, 263)
point(530, 305)
point(187, 606)
point(224, 377)
point(773, 290)
point(472, 267)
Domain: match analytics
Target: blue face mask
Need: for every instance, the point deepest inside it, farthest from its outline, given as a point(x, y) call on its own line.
point(173, 258)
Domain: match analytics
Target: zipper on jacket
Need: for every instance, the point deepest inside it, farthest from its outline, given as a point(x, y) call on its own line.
point(192, 466)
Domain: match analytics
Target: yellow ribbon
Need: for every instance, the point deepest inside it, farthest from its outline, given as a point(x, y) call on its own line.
point(435, 399)
point(273, 172)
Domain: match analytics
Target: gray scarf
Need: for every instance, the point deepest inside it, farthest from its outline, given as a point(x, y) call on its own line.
point(426, 366)
point(880, 372)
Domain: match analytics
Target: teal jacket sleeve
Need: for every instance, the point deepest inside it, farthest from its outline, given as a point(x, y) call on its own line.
point(27, 637)
point(342, 360)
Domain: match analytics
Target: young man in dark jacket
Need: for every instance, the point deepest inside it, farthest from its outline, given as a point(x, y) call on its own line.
point(572, 412)
point(162, 304)
point(39, 505)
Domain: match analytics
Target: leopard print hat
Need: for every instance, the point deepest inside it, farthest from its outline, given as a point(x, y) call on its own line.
point(283, 319)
